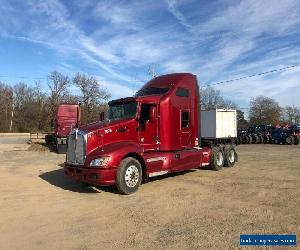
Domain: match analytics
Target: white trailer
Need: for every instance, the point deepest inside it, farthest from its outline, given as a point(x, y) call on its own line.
point(219, 124)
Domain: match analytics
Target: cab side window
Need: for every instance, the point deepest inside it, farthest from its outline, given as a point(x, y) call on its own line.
point(185, 119)
point(182, 92)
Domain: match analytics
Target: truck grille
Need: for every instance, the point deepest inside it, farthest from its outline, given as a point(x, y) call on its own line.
point(76, 148)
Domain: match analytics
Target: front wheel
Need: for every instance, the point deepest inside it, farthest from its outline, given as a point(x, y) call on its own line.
point(129, 176)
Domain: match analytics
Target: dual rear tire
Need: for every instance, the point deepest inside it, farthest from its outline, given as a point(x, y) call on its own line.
point(223, 158)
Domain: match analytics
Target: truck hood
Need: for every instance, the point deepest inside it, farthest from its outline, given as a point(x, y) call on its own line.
point(93, 126)
point(103, 133)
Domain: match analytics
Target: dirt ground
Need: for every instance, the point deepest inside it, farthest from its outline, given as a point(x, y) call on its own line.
point(199, 209)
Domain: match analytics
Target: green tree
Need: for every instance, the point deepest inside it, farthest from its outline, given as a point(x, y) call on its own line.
point(241, 121)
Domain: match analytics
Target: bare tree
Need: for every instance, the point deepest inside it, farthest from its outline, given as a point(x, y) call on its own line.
point(58, 85)
point(211, 98)
point(30, 108)
point(291, 115)
point(264, 110)
point(93, 95)
point(34, 108)
point(6, 106)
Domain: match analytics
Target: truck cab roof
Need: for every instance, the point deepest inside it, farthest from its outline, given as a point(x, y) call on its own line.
point(155, 89)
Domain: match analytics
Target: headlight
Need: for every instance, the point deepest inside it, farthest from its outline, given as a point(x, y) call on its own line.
point(100, 162)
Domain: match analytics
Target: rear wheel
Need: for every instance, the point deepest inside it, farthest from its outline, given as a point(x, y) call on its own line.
point(244, 139)
point(265, 139)
point(257, 139)
point(297, 140)
point(49, 139)
point(230, 156)
point(249, 140)
point(253, 139)
point(289, 140)
point(129, 176)
point(217, 158)
point(269, 139)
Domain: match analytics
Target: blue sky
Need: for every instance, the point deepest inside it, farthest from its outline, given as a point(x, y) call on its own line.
point(117, 41)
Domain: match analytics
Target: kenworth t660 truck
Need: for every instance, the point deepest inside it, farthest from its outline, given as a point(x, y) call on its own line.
point(153, 133)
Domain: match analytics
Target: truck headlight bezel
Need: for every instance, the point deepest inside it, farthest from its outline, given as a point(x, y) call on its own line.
point(100, 162)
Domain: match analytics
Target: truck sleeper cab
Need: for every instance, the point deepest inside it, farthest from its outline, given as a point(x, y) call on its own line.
point(67, 118)
point(153, 133)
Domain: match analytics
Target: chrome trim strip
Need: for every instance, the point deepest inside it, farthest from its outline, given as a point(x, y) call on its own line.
point(158, 173)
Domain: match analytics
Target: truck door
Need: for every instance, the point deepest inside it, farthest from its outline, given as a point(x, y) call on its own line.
point(148, 127)
point(185, 128)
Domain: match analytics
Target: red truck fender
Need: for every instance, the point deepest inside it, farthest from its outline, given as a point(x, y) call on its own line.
point(117, 152)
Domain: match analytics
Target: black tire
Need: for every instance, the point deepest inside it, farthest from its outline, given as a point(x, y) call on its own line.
point(265, 139)
point(289, 140)
point(249, 140)
point(49, 139)
point(129, 176)
point(297, 140)
point(217, 158)
point(270, 139)
point(61, 148)
point(253, 139)
point(230, 156)
point(243, 140)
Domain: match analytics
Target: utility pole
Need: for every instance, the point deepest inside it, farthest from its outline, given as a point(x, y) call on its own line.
point(12, 116)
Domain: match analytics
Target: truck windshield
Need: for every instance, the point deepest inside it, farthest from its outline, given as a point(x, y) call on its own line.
point(152, 91)
point(121, 111)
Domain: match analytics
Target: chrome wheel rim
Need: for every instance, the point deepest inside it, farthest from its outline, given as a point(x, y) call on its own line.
point(231, 156)
point(132, 176)
point(219, 158)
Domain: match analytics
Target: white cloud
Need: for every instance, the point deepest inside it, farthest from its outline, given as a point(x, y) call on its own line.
point(239, 38)
point(280, 86)
point(173, 8)
point(118, 90)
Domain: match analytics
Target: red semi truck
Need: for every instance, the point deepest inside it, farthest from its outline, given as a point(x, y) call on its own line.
point(153, 133)
point(67, 118)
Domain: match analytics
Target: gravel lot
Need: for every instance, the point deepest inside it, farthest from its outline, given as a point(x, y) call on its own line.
point(199, 209)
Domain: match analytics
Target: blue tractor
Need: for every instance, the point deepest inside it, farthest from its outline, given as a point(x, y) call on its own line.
point(285, 136)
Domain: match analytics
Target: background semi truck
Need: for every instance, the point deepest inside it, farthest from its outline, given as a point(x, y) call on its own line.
point(153, 133)
point(68, 117)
